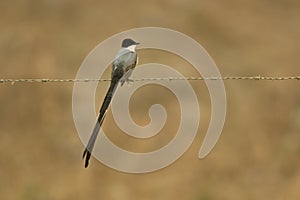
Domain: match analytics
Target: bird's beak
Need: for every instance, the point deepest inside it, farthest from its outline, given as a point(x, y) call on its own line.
point(137, 43)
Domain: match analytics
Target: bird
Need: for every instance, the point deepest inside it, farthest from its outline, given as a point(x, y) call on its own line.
point(122, 66)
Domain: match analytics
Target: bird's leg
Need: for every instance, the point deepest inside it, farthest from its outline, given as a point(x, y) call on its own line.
point(125, 77)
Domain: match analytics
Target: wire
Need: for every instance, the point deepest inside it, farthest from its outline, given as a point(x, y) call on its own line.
point(256, 78)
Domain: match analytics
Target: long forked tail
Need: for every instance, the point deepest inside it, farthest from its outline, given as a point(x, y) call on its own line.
point(89, 148)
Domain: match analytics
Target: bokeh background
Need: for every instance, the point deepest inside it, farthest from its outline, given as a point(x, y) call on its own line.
point(257, 156)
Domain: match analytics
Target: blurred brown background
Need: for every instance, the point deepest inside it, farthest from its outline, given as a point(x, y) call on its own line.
point(257, 156)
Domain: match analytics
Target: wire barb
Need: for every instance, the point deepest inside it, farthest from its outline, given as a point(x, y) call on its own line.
point(225, 78)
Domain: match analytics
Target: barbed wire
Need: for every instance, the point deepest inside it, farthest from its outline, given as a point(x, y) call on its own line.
point(256, 78)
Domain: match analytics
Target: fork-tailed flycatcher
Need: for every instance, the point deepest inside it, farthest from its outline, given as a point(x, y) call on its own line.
point(122, 67)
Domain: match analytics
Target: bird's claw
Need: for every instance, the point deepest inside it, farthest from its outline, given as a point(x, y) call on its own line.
point(127, 80)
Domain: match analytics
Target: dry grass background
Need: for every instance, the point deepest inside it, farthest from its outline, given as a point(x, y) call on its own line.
point(257, 156)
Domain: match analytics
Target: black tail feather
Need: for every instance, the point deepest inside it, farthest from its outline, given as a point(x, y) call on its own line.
point(87, 159)
point(89, 148)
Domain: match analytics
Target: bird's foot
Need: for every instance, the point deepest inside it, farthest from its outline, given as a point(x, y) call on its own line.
point(127, 80)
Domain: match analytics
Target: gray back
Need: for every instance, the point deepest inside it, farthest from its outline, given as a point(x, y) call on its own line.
point(125, 58)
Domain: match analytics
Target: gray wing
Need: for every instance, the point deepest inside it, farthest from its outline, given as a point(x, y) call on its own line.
point(125, 59)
